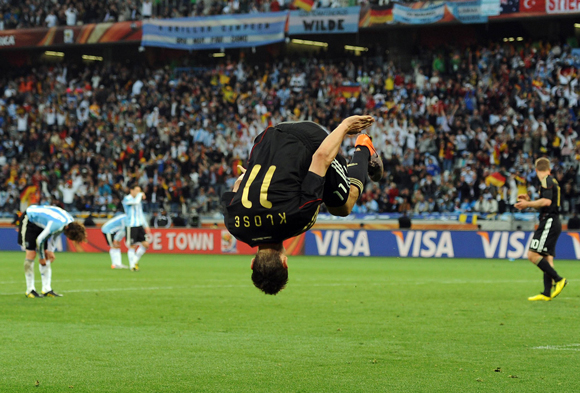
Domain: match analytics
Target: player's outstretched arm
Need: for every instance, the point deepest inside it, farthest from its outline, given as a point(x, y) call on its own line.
point(523, 204)
point(329, 148)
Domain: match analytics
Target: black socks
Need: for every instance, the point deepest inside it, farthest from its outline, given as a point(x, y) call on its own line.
point(545, 266)
point(358, 168)
point(547, 285)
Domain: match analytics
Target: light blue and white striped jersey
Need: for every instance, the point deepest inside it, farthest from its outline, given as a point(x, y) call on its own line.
point(52, 216)
point(53, 219)
point(114, 225)
point(134, 211)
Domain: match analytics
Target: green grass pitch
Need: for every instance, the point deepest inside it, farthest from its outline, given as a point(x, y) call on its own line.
point(191, 323)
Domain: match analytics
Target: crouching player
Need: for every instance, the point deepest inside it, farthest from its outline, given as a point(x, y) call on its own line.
point(114, 231)
point(40, 227)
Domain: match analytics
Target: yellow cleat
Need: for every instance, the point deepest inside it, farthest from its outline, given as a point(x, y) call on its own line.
point(559, 286)
point(33, 294)
point(136, 268)
point(540, 297)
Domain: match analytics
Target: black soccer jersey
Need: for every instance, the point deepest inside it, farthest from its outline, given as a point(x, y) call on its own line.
point(278, 197)
point(550, 190)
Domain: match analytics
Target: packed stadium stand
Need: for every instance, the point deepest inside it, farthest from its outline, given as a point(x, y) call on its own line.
point(459, 121)
point(458, 133)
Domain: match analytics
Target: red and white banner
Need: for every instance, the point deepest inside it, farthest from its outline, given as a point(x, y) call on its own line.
point(533, 6)
point(185, 241)
point(562, 6)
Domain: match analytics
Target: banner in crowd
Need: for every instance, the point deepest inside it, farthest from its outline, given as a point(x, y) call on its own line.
point(418, 16)
point(324, 21)
point(94, 33)
point(576, 57)
point(433, 244)
point(184, 241)
point(215, 32)
point(467, 11)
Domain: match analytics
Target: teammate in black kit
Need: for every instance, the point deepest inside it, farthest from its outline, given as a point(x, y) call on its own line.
point(543, 247)
point(293, 168)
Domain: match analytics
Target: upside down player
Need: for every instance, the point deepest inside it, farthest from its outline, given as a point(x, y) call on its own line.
point(39, 228)
point(543, 247)
point(292, 169)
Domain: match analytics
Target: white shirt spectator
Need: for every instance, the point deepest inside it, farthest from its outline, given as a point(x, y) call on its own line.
point(147, 9)
point(22, 122)
point(137, 86)
point(71, 16)
point(50, 20)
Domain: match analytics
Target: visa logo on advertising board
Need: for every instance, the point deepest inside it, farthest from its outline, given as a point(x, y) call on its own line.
point(425, 245)
point(343, 243)
point(513, 245)
point(576, 242)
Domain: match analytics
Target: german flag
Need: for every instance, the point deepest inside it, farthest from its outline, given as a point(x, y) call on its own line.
point(496, 178)
point(381, 15)
point(349, 91)
point(305, 5)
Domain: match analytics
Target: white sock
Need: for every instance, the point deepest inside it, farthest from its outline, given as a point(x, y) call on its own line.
point(29, 274)
point(116, 257)
point(46, 276)
point(140, 251)
point(132, 257)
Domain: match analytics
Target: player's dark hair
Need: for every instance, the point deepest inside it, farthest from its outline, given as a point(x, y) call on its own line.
point(76, 232)
point(269, 274)
point(542, 164)
point(133, 185)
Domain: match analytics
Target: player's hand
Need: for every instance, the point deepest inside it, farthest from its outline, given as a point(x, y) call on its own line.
point(240, 178)
point(523, 197)
point(521, 205)
point(144, 197)
point(357, 124)
point(50, 256)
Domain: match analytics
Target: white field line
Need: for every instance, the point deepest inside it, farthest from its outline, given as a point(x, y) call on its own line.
point(303, 284)
point(445, 282)
point(565, 347)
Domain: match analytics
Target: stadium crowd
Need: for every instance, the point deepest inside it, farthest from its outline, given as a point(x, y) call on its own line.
point(458, 132)
point(45, 13)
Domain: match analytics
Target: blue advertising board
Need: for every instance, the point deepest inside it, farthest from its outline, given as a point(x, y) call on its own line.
point(215, 32)
point(432, 244)
point(9, 240)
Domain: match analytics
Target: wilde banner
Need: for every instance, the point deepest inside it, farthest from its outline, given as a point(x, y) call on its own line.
point(324, 21)
point(215, 32)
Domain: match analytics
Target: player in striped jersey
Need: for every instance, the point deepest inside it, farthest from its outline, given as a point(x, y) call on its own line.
point(136, 226)
point(114, 231)
point(40, 227)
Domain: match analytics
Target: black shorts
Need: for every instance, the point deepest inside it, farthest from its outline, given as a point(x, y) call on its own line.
point(110, 238)
point(134, 235)
point(336, 183)
point(546, 236)
point(28, 233)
